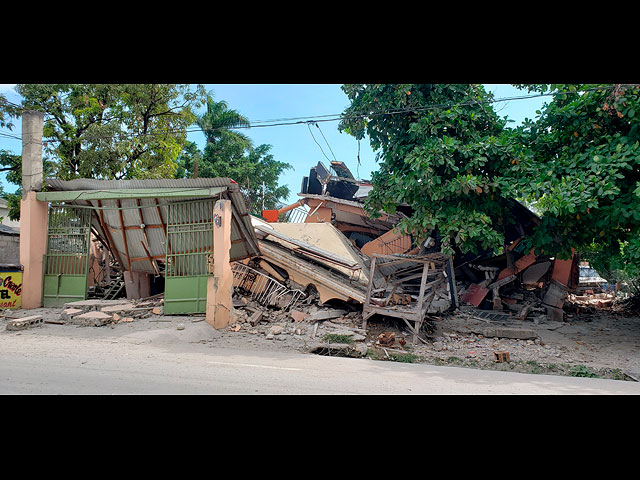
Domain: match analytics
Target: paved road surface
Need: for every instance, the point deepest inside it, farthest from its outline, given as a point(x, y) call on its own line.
point(38, 365)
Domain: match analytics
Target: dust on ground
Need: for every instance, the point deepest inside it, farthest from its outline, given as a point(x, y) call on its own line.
point(600, 343)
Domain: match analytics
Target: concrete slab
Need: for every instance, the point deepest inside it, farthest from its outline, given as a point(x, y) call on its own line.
point(92, 318)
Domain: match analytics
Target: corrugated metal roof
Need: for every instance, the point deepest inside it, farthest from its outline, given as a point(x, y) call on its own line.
point(243, 241)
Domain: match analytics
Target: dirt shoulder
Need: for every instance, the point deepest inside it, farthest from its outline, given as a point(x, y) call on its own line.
point(600, 344)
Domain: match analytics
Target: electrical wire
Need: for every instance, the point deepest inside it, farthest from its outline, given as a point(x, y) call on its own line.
point(325, 140)
point(342, 117)
point(314, 139)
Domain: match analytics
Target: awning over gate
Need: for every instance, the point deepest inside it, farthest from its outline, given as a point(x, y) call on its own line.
point(131, 215)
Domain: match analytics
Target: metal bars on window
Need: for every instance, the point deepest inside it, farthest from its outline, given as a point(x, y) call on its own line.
point(189, 237)
point(68, 241)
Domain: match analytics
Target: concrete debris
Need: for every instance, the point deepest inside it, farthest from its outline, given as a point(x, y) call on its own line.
point(92, 318)
point(100, 312)
point(24, 322)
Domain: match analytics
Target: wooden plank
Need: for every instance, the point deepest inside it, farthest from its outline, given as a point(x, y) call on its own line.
point(105, 227)
point(421, 309)
point(367, 301)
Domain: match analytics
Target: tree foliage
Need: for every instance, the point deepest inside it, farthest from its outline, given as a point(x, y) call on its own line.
point(113, 131)
point(443, 153)
point(231, 154)
point(580, 163)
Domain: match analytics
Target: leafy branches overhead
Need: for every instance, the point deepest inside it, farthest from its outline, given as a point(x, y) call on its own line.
point(231, 154)
point(113, 131)
point(444, 156)
point(581, 163)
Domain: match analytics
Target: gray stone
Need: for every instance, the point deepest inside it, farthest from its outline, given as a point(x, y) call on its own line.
point(276, 329)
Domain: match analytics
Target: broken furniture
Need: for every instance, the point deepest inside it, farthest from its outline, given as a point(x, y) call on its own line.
point(409, 287)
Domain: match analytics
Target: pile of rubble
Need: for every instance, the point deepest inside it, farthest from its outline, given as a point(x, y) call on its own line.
point(95, 313)
point(98, 312)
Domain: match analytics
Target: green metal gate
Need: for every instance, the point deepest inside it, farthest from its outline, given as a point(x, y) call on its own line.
point(66, 263)
point(189, 242)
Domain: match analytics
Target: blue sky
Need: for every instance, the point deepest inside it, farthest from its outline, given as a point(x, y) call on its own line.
point(294, 144)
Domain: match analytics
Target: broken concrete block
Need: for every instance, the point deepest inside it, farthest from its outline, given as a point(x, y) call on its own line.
point(94, 304)
point(255, 318)
point(69, 313)
point(120, 308)
point(506, 332)
point(24, 322)
point(326, 315)
point(276, 329)
point(298, 316)
point(92, 318)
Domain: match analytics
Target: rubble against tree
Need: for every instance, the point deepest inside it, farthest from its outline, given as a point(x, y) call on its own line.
point(516, 284)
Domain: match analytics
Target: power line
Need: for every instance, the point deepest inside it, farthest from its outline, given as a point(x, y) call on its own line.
point(325, 140)
point(339, 117)
point(314, 139)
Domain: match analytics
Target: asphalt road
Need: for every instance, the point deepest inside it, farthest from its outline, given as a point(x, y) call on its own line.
point(35, 365)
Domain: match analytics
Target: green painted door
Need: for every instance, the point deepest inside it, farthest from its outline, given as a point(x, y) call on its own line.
point(189, 242)
point(66, 263)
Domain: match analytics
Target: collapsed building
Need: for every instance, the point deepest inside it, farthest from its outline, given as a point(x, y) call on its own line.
point(516, 282)
point(194, 242)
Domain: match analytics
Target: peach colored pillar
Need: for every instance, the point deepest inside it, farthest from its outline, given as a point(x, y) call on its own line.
point(33, 246)
point(220, 286)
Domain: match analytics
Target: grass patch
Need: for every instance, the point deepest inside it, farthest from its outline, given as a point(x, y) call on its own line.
point(337, 338)
point(404, 357)
point(583, 371)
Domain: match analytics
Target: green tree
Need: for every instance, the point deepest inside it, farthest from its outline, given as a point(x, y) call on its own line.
point(442, 152)
point(580, 163)
point(113, 131)
point(231, 154)
point(12, 165)
point(217, 124)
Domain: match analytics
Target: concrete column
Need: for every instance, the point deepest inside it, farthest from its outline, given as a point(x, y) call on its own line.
point(33, 245)
point(220, 286)
point(137, 284)
point(32, 170)
point(33, 214)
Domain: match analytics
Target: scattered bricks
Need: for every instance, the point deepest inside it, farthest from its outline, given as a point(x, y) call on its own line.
point(69, 313)
point(386, 338)
point(501, 356)
point(92, 319)
point(24, 322)
point(298, 316)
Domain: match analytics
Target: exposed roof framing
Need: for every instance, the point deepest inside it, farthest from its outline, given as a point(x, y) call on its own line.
point(131, 214)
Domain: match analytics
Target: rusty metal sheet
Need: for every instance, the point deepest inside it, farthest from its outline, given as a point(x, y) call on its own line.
point(475, 294)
